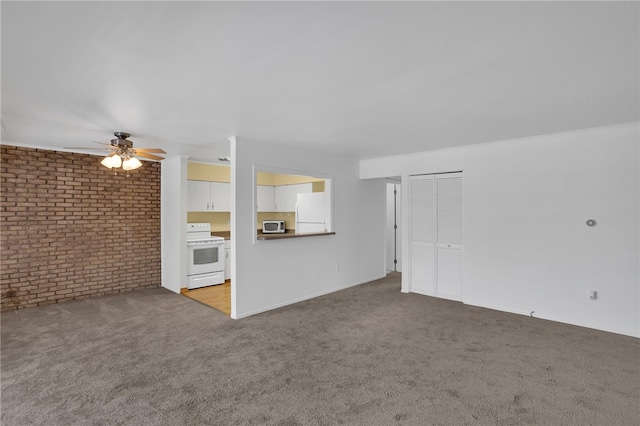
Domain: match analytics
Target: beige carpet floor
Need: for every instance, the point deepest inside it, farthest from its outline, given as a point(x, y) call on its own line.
point(368, 355)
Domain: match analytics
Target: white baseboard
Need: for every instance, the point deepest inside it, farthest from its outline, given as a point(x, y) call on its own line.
point(306, 297)
point(551, 317)
point(421, 292)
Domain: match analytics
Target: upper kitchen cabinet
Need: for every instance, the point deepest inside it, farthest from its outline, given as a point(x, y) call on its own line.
point(198, 196)
point(203, 196)
point(280, 199)
point(266, 198)
point(220, 196)
point(208, 188)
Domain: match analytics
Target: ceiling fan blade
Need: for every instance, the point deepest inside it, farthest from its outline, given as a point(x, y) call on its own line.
point(149, 156)
point(84, 147)
point(157, 150)
point(107, 146)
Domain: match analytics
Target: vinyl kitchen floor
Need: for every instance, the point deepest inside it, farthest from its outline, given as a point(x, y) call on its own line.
point(215, 296)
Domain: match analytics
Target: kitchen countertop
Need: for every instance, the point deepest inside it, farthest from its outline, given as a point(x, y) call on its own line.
point(224, 234)
point(289, 234)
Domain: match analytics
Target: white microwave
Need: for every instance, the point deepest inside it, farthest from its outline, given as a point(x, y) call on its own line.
point(273, 227)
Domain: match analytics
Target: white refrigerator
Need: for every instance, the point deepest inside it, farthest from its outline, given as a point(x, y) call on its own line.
point(310, 216)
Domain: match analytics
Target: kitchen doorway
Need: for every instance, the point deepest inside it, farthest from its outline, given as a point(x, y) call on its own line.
point(216, 296)
point(393, 227)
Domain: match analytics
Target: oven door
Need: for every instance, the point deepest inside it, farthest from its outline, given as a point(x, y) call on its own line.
point(205, 258)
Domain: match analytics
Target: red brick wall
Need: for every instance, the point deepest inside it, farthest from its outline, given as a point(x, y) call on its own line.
point(70, 229)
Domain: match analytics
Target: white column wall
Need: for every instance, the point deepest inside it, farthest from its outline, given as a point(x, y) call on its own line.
point(270, 274)
point(173, 221)
point(526, 201)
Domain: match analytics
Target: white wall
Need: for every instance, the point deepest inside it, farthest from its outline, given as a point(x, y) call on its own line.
point(526, 245)
point(173, 222)
point(270, 274)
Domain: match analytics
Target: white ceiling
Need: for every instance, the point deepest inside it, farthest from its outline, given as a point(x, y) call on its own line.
point(357, 79)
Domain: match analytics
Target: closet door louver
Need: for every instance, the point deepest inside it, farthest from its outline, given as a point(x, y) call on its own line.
point(449, 189)
point(422, 211)
point(436, 235)
point(422, 235)
point(449, 236)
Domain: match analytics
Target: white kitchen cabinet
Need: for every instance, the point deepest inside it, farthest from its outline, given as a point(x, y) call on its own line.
point(220, 197)
point(266, 198)
point(203, 196)
point(198, 196)
point(280, 198)
point(286, 196)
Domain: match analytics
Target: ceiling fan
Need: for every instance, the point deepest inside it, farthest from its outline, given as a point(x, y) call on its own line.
point(124, 154)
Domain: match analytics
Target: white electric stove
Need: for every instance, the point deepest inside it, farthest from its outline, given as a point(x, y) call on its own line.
point(205, 256)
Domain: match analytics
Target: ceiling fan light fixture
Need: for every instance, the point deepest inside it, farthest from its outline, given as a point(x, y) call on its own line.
point(131, 163)
point(106, 161)
point(116, 161)
point(124, 155)
point(111, 161)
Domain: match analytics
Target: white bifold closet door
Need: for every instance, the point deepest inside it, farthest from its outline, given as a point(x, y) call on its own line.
point(436, 235)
